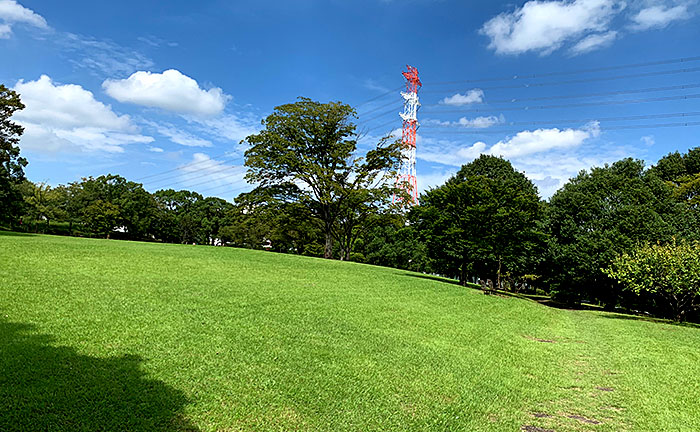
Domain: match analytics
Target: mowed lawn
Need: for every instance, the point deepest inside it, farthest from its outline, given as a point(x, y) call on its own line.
point(124, 336)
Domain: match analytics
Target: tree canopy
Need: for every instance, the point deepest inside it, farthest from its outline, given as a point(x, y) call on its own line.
point(307, 150)
point(11, 164)
point(483, 222)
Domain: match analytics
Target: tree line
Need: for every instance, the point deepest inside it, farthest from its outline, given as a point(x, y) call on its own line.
point(316, 194)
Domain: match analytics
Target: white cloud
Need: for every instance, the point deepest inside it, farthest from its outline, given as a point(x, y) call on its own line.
point(523, 144)
point(12, 12)
point(156, 149)
point(178, 136)
point(470, 123)
point(544, 26)
point(593, 42)
point(5, 31)
point(205, 173)
point(474, 96)
point(542, 140)
point(659, 16)
point(170, 90)
point(480, 122)
point(648, 140)
point(228, 127)
point(69, 118)
point(101, 57)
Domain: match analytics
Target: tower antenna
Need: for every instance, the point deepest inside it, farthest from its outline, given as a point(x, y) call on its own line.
point(406, 178)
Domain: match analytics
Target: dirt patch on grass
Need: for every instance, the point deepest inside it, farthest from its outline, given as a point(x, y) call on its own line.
point(541, 415)
point(583, 419)
point(612, 408)
point(605, 389)
point(530, 428)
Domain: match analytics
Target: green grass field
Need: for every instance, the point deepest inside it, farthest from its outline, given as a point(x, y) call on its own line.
point(122, 336)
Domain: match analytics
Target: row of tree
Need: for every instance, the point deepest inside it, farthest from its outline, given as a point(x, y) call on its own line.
point(318, 196)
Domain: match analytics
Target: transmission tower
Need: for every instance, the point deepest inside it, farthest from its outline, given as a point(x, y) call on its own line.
point(407, 174)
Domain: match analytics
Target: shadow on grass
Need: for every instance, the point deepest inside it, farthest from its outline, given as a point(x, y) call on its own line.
point(439, 279)
point(430, 277)
point(613, 315)
point(45, 387)
point(15, 234)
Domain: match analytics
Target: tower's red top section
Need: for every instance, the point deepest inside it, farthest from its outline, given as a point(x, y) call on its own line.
point(412, 80)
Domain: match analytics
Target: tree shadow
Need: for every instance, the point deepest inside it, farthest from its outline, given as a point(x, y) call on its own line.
point(439, 279)
point(430, 277)
point(45, 387)
point(612, 315)
point(15, 234)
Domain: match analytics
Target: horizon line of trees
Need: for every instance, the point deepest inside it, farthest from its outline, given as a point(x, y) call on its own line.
point(318, 197)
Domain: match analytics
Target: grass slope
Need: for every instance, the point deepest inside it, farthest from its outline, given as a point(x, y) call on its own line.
point(109, 335)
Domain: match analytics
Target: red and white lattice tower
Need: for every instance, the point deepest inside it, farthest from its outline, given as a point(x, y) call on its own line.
point(407, 174)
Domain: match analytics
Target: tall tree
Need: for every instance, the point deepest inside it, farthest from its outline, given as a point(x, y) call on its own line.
point(310, 147)
point(483, 222)
point(598, 215)
point(11, 164)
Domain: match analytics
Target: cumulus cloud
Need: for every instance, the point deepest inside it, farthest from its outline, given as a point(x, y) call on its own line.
point(544, 26)
point(170, 90)
point(474, 96)
point(60, 118)
point(659, 16)
point(549, 157)
point(522, 144)
point(541, 140)
point(12, 13)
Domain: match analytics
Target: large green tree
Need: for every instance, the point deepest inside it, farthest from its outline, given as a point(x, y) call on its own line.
point(11, 164)
point(482, 222)
point(310, 148)
point(598, 215)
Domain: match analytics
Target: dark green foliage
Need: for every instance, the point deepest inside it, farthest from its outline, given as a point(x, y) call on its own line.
point(394, 244)
point(110, 202)
point(597, 216)
point(11, 164)
point(483, 222)
point(261, 217)
point(313, 144)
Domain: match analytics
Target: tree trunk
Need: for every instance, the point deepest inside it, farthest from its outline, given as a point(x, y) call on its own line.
point(498, 275)
point(328, 250)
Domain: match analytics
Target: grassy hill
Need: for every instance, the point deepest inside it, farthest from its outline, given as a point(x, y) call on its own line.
point(110, 335)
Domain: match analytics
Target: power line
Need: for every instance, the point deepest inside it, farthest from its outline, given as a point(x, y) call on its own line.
point(574, 105)
point(432, 125)
point(574, 72)
point(397, 103)
point(379, 96)
point(579, 81)
point(225, 168)
point(182, 166)
point(619, 127)
point(587, 95)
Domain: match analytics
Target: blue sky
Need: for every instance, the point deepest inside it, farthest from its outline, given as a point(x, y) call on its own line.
point(163, 92)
